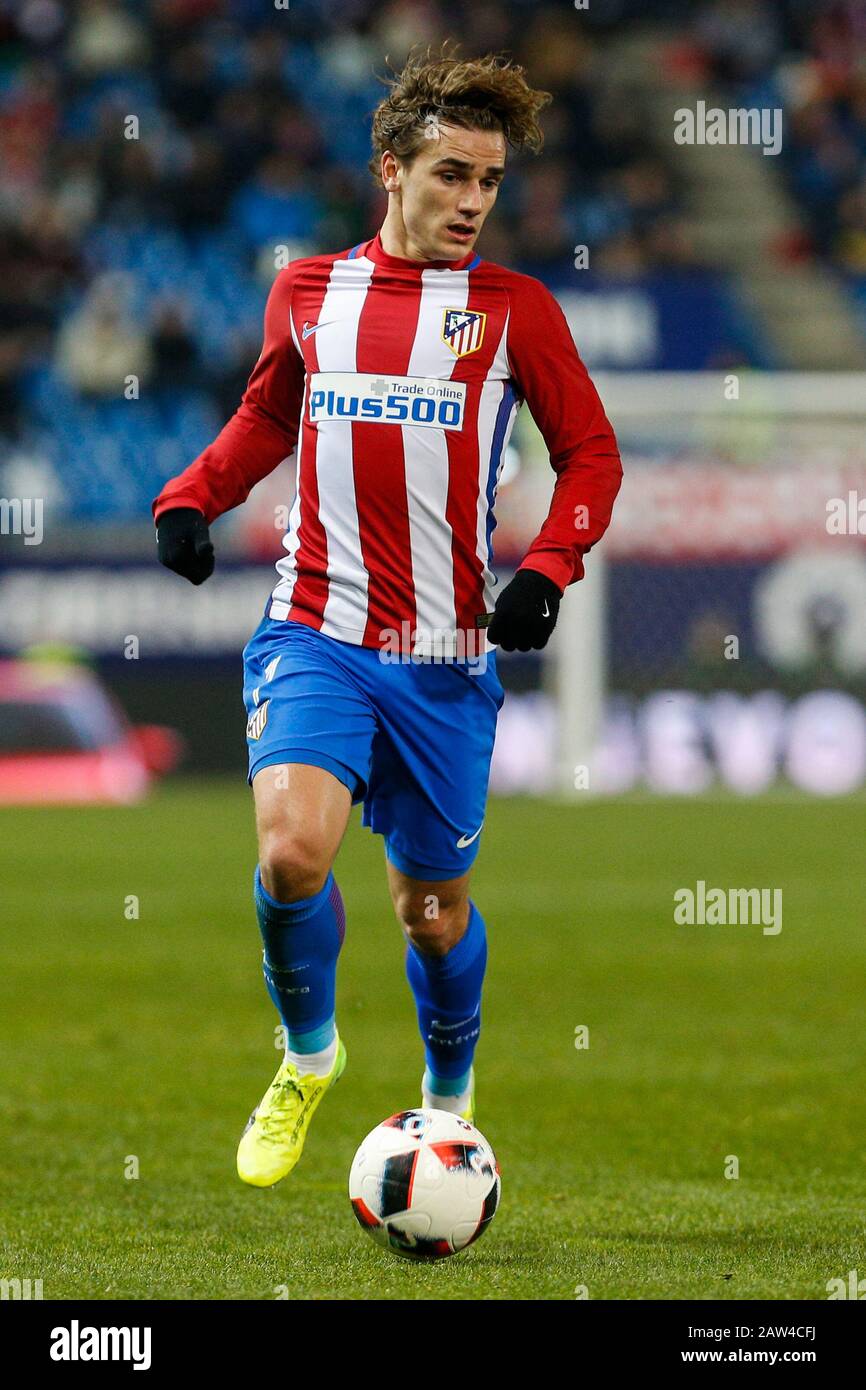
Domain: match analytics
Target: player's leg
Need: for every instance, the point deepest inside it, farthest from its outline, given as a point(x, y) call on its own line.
point(445, 966)
point(427, 796)
point(309, 732)
point(301, 815)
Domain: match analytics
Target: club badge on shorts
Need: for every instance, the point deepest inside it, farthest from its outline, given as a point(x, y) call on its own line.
point(463, 330)
point(257, 721)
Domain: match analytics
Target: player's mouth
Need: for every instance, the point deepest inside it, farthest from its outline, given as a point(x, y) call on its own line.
point(461, 231)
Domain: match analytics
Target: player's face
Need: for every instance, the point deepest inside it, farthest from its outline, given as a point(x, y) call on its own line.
point(448, 190)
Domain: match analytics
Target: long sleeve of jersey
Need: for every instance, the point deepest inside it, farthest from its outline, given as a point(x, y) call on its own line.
point(262, 432)
point(552, 379)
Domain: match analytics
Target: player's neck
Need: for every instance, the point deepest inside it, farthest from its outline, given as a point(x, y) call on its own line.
point(396, 242)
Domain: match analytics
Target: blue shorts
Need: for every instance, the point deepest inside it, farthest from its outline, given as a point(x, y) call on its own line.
point(413, 741)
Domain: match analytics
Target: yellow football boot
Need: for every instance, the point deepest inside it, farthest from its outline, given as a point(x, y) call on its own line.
point(273, 1140)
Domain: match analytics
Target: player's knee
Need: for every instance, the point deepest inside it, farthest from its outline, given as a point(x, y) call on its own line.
point(291, 866)
point(432, 926)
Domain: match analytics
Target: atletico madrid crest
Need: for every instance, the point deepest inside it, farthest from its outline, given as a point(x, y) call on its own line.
point(463, 330)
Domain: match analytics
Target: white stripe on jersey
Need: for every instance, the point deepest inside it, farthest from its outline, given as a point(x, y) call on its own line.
point(291, 540)
point(346, 605)
point(426, 464)
point(492, 393)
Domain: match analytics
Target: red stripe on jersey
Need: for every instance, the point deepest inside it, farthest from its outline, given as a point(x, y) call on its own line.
point(310, 591)
point(386, 333)
point(461, 509)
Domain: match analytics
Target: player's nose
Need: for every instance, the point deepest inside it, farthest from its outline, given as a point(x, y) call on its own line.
point(471, 202)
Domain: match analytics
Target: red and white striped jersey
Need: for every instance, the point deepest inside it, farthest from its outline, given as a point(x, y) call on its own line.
point(394, 385)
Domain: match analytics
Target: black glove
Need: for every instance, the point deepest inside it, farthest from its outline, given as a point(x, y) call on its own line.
point(184, 545)
point(525, 613)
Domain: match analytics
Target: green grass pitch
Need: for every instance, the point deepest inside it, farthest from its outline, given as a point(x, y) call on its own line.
point(153, 1037)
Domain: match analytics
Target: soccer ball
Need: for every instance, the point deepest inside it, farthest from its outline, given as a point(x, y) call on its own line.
point(424, 1184)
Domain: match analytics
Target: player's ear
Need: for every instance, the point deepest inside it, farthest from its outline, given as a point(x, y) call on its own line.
point(390, 171)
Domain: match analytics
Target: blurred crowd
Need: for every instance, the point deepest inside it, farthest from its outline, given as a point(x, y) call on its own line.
point(807, 57)
point(154, 152)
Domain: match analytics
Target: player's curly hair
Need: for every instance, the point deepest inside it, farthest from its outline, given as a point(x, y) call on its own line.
point(489, 93)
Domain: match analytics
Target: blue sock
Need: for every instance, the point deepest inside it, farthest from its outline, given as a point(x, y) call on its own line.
point(447, 993)
point(302, 943)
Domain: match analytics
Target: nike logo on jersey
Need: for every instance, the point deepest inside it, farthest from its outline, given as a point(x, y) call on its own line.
point(467, 839)
point(546, 610)
point(310, 328)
